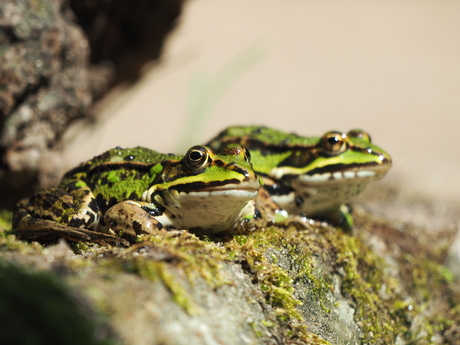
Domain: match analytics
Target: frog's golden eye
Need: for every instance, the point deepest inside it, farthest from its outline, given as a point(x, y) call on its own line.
point(334, 143)
point(358, 133)
point(197, 157)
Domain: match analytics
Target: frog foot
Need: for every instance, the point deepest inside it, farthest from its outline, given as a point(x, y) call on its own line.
point(132, 218)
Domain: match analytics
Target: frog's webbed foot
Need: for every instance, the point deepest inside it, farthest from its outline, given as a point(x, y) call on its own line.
point(43, 230)
point(131, 218)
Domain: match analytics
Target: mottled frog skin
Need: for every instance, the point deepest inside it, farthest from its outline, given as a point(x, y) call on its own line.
point(312, 176)
point(127, 192)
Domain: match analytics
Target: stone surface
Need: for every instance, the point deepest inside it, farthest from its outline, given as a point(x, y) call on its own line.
point(51, 70)
point(45, 86)
point(125, 35)
point(307, 283)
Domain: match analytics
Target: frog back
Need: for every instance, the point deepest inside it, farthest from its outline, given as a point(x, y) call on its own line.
point(118, 174)
point(269, 147)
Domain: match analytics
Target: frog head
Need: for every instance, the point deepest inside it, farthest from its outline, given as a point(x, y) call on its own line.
point(331, 170)
point(205, 189)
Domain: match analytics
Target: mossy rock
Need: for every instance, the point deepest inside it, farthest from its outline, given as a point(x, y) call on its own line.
point(306, 283)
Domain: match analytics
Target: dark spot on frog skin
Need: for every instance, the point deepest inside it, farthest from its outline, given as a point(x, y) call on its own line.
point(72, 186)
point(298, 201)
point(58, 212)
point(137, 227)
point(47, 200)
point(78, 223)
point(238, 169)
point(104, 204)
point(101, 202)
point(133, 196)
point(277, 189)
point(257, 213)
point(157, 211)
point(219, 163)
point(93, 206)
point(113, 223)
point(112, 201)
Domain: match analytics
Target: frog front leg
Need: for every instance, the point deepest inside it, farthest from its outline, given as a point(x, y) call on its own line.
point(131, 218)
point(55, 213)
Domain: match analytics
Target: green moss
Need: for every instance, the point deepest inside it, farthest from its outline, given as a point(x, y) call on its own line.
point(385, 306)
point(160, 271)
point(428, 284)
point(9, 242)
point(380, 320)
point(256, 249)
point(185, 256)
point(6, 218)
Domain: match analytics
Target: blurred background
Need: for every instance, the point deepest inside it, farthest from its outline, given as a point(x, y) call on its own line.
point(389, 67)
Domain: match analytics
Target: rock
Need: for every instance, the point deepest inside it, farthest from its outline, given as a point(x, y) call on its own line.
point(45, 86)
point(48, 313)
point(306, 283)
point(51, 70)
point(125, 35)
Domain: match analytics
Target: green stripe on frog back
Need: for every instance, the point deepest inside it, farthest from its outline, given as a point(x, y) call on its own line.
point(353, 159)
point(259, 137)
point(265, 163)
point(214, 176)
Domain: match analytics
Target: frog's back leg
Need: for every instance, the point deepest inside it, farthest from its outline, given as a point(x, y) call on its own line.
point(32, 229)
point(55, 213)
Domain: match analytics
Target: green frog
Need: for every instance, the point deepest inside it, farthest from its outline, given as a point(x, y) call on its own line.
point(311, 176)
point(126, 192)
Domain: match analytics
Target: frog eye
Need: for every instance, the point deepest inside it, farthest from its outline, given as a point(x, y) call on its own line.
point(334, 143)
point(197, 157)
point(358, 133)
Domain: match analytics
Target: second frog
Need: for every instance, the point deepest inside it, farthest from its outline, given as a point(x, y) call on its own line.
point(311, 176)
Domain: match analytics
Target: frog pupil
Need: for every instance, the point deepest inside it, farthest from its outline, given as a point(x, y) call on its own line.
point(333, 140)
point(196, 155)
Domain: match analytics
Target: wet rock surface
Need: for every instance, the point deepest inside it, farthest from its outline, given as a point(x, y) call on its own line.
point(306, 283)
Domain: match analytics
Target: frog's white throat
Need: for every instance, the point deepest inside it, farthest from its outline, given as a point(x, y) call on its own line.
point(312, 194)
point(213, 210)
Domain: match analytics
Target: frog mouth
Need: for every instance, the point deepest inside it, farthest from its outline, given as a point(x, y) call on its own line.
point(219, 187)
point(341, 172)
point(231, 190)
point(247, 194)
point(342, 175)
point(239, 191)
